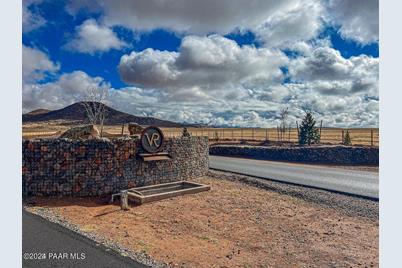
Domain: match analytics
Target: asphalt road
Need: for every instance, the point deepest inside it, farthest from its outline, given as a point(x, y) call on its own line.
point(354, 182)
point(48, 240)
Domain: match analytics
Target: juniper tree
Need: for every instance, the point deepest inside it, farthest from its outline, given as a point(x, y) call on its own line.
point(308, 132)
point(347, 140)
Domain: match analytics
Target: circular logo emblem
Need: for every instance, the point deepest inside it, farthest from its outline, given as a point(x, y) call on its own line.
point(152, 139)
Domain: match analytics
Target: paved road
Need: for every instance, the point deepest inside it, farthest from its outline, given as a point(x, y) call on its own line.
point(41, 236)
point(356, 182)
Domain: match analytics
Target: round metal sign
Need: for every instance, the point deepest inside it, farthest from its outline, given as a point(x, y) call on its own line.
point(152, 139)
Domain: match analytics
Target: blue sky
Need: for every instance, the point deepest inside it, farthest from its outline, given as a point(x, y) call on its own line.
point(192, 63)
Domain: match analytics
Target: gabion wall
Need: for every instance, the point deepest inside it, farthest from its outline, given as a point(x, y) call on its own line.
point(63, 167)
point(344, 155)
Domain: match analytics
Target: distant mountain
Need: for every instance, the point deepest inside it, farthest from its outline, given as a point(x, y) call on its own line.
point(38, 111)
point(77, 112)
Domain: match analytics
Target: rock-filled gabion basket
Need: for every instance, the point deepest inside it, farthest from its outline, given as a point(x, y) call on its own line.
point(96, 167)
point(344, 155)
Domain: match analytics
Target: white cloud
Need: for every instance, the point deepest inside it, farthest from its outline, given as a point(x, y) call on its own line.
point(202, 66)
point(274, 22)
point(302, 22)
point(212, 79)
point(197, 17)
point(31, 20)
point(69, 88)
point(91, 37)
point(36, 64)
point(358, 19)
point(325, 70)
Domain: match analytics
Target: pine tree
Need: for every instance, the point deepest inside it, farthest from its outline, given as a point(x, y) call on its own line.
point(308, 132)
point(347, 140)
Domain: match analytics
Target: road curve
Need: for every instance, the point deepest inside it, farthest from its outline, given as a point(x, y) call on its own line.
point(44, 243)
point(361, 183)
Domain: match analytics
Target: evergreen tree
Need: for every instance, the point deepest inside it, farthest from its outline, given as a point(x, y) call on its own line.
point(308, 132)
point(347, 140)
point(185, 133)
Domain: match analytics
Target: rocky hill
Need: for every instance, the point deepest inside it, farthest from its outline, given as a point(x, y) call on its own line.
point(77, 112)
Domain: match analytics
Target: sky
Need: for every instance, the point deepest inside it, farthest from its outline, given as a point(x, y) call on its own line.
point(228, 63)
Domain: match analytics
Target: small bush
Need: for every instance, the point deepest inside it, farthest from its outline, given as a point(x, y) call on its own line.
point(216, 136)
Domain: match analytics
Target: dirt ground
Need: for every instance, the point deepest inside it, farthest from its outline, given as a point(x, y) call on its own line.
point(233, 225)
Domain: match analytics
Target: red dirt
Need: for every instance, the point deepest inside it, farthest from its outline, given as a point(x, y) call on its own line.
point(233, 225)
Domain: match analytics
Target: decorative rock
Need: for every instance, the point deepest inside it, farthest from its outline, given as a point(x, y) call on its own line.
point(135, 129)
point(81, 132)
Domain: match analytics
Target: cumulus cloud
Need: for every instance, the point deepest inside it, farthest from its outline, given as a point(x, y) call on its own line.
point(91, 37)
point(353, 110)
point(321, 80)
point(67, 89)
point(274, 22)
point(213, 80)
point(324, 69)
point(197, 17)
point(36, 65)
point(357, 19)
point(302, 22)
point(31, 20)
point(203, 65)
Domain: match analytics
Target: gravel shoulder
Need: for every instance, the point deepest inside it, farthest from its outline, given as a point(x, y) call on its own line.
point(241, 222)
point(346, 204)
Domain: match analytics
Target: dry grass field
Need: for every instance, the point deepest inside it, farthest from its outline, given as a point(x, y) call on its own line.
point(359, 136)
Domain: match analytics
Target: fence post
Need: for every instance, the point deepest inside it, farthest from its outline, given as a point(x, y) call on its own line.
point(372, 137)
point(232, 135)
point(266, 134)
point(343, 136)
point(277, 132)
point(122, 129)
point(252, 133)
point(320, 130)
point(241, 133)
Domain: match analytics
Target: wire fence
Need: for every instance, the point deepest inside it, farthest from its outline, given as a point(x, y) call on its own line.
point(358, 136)
point(362, 136)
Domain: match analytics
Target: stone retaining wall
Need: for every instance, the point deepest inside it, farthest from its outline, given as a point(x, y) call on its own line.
point(344, 155)
point(63, 167)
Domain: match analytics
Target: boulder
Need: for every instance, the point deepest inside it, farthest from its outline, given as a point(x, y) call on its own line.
point(135, 129)
point(81, 132)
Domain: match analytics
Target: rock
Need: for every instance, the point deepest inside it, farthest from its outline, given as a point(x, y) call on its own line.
point(135, 129)
point(186, 133)
point(81, 132)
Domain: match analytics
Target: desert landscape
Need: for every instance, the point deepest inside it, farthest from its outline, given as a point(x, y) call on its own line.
point(45, 123)
point(200, 133)
point(233, 225)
